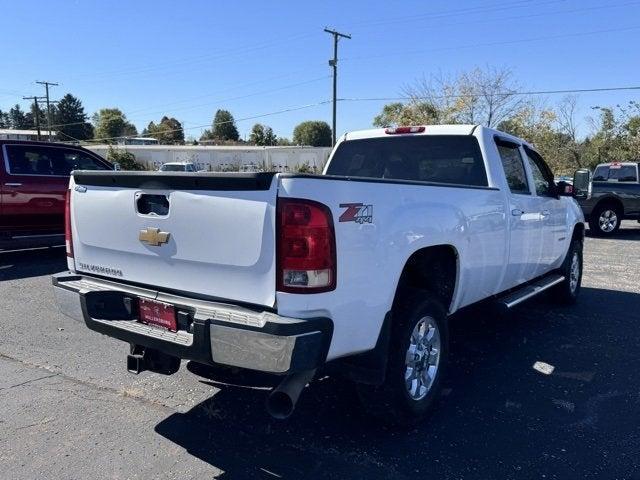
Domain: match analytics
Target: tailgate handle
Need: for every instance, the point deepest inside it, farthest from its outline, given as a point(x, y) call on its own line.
point(152, 204)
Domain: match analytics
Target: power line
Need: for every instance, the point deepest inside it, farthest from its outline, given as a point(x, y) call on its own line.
point(37, 111)
point(253, 117)
point(239, 97)
point(235, 87)
point(398, 53)
point(484, 9)
point(529, 15)
point(499, 94)
point(334, 64)
point(219, 100)
point(49, 102)
point(198, 58)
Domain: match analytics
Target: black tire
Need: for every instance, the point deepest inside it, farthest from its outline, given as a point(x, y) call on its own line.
point(609, 227)
point(566, 293)
point(391, 402)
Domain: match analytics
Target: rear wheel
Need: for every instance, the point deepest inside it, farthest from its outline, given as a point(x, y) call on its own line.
point(418, 353)
point(567, 291)
point(605, 220)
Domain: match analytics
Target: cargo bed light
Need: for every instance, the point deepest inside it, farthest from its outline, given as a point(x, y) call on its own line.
point(397, 130)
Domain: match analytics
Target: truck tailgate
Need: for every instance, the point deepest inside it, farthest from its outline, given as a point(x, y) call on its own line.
point(221, 234)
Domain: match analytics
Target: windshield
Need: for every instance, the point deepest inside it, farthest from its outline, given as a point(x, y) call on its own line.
point(620, 173)
point(172, 168)
point(454, 159)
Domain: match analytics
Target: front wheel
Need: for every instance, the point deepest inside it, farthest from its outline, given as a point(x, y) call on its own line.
point(418, 354)
point(567, 291)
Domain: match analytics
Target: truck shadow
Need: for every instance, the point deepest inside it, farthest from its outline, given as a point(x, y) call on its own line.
point(498, 410)
point(19, 264)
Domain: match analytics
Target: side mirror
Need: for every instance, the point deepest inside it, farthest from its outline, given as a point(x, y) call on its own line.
point(564, 189)
point(581, 181)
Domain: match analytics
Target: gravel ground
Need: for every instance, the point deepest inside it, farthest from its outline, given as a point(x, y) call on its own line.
point(70, 410)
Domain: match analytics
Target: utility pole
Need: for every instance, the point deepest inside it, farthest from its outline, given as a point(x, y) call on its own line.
point(334, 63)
point(46, 86)
point(37, 109)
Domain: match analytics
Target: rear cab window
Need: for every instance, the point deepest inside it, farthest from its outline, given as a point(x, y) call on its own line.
point(616, 173)
point(513, 166)
point(447, 159)
point(48, 161)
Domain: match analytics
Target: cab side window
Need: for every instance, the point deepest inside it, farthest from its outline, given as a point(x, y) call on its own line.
point(78, 160)
point(542, 176)
point(513, 167)
point(48, 161)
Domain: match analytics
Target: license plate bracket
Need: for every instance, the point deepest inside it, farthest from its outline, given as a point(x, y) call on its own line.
point(158, 314)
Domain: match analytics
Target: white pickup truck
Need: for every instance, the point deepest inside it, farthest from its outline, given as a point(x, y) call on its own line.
point(355, 270)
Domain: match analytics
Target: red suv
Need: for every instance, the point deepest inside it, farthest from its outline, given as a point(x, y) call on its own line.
point(34, 177)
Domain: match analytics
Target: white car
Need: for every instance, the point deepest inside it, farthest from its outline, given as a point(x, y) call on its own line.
point(178, 167)
point(357, 269)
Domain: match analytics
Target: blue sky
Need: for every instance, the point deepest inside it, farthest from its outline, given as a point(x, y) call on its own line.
point(186, 59)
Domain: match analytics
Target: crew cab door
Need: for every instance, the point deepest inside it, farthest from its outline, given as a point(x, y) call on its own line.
point(525, 226)
point(551, 210)
point(34, 185)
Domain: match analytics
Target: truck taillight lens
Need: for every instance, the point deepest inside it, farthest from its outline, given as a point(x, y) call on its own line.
point(306, 247)
point(67, 225)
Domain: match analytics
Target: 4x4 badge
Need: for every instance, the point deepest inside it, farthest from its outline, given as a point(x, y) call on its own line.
point(356, 212)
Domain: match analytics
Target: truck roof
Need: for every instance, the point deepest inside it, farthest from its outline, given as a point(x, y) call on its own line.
point(466, 129)
point(626, 164)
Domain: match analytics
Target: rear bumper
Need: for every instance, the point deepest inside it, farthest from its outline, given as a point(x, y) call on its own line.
point(208, 332)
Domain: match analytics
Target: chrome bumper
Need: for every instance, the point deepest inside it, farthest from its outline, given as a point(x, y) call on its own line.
point(209, 332)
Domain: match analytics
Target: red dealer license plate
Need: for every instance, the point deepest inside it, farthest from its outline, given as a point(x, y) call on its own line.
point(158, 314)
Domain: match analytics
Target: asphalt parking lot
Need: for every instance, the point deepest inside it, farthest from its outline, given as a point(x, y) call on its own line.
point(70, 410)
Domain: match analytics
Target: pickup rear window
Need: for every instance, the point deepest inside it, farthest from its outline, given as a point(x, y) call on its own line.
point(620, 173)
point(454, 159)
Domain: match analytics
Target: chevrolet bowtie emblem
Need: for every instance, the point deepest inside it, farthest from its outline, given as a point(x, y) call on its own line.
point(153, 236)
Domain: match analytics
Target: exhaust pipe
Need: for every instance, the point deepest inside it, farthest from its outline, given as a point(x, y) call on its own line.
point(282, 400)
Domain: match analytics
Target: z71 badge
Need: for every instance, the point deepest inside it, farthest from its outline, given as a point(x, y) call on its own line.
point(356, 212)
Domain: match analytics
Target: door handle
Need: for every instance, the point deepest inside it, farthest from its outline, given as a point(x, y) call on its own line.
point(517, 212)
point(12, 184)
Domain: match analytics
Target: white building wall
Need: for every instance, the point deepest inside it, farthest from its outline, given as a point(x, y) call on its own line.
point(218, 158)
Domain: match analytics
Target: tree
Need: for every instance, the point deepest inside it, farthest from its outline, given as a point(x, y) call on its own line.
point(18, 119)
point(126, 160)
point(168, 132)
point(70, 121)
point(223, 128)
point(262, 135)
point(313, 132)
point(30, 117)
point(4, 120)
point(111, 123)
point(486, 96)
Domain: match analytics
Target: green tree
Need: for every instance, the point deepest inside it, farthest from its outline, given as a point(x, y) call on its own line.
point(111, 123)
point(126, 160)
point(18, 119)
point(168, 132)
point(70, 120)
point(4, 120)
point(223, 128)
point(262, 135)
point(313, 132)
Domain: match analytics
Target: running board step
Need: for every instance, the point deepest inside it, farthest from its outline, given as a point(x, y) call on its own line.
point(530, 290)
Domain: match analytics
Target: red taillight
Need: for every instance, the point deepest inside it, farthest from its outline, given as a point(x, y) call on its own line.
point(306, 247)
point(397, 130)
point(67, 225)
